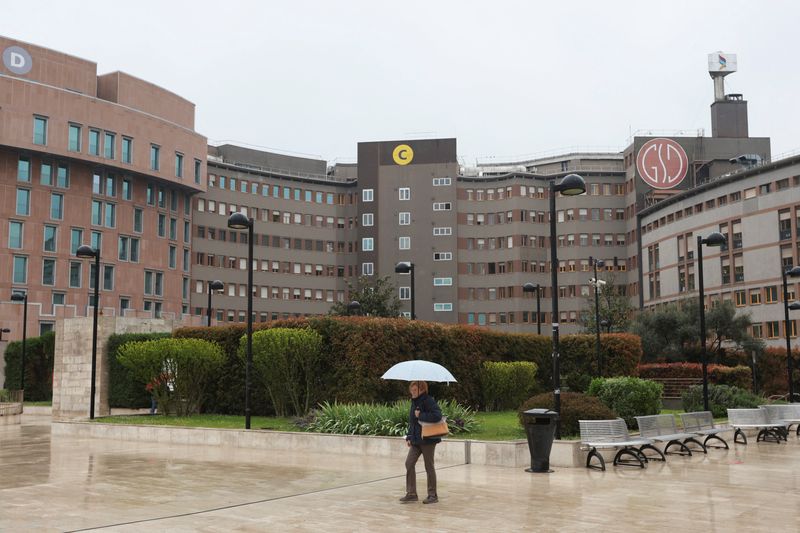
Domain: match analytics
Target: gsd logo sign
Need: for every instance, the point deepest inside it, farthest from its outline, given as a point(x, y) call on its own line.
point(402, 154)
point(662, 163)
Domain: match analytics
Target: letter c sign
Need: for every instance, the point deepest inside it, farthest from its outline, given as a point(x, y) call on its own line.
point(402, 154)
point(17, 60)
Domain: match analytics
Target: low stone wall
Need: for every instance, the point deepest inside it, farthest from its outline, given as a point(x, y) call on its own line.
point(450, 451)
point(10, 414)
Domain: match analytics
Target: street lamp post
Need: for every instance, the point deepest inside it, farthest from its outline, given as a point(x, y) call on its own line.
point(354, 308)
point(87, 252)
point(22, 297)
point(571, 185)
point(530, 287)
point(714, 239)
point(792, 273)
point(239, 221)
point(596, 282)
point(215, 285)
point(407, 267)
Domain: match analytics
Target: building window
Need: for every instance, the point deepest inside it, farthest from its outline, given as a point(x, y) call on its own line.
point(50, 233)
point(154, 155)
point(40, 131)
point(127, 190)
point(197, 170)
point(20, 274)
point(771, 294)
point(62, 176)
point(46, 174)
point(75, 268)
point(15, 235)
point(56, 206)
point(773, 329)
point(76, 239)
point(173, 229)
point(741, 298)
point(442, 282)
point(404, 218)
point(59, 298)
point(442, 231)
point(23, 202)
point(440, 182)
point(404, 293)
point(162, 225)
point(97, 213)
point(442, 206)
point(94, 142)
point(97, 240)
point(178, 165)
point(404, 193)
point(74, 143)
point(404, 243)
point(127, 150)
point(123, 247)
point(134, 255)
point(151, 194)
point(111, 185)
point(173, 257)
point(109, 139)
point(137, 220)
point(443, 256)
point(367, 244)
point(755, 296)
point(439, 307)
point(367, 219)
point(367, 269)
point(367, 195)
point(111, 216)
point(48, 271)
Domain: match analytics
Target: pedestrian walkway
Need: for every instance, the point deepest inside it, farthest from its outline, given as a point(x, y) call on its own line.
point(67, 484)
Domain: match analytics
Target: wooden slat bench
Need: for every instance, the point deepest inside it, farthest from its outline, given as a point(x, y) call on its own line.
point(662, 428)
point(612, 434)
point(702, 423)
point(741, 419)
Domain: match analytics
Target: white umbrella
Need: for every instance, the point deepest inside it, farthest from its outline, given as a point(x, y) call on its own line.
point(419, 371)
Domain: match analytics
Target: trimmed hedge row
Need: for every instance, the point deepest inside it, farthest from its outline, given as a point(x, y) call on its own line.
point(39, 367)
point(772, 372)
point(124, 389)
point(737, 376)
point(358, 350)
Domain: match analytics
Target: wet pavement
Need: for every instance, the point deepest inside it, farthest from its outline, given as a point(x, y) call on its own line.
point(67, 484)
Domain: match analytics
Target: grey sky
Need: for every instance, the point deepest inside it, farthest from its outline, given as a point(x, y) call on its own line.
point(507, 78)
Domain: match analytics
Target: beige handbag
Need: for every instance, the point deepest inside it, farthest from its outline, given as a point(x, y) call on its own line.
point(434, 429)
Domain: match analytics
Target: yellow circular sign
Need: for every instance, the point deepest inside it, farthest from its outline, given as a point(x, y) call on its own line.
point(403, 154)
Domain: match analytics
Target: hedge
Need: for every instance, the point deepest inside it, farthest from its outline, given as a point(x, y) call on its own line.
point(772, 371)
point(358, 350)
point(574, 407)
point(720, 399)
point(124, 390)
point(39, 367)
point(629, 397)
point(737, 376)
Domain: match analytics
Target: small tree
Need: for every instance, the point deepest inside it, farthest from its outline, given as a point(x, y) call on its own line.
point(377, 297)
point(177, 370)
point(286, 359)
point(615, 308)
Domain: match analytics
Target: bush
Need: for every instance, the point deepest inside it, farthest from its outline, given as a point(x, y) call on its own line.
point(124, 389)
point(389, 420)
point(506, 385)
point(176, 369)
point(38, 367)
point(772, 371)
point(739, 376)
point(629, 397)
point(574, 407)
point(286, 361)
point(720, 399)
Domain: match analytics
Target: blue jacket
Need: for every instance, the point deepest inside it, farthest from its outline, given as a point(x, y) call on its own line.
point(428, 412)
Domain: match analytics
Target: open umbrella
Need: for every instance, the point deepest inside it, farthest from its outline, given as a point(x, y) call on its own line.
point(419, 370)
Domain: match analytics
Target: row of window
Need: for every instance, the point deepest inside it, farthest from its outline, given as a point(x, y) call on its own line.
point(46, 175)
point(278, 191)
point(509, 267)
point(524, 191)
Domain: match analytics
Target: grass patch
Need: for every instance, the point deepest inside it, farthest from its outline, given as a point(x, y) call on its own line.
point(39, 404)
point(500, 425)
point(204, 421)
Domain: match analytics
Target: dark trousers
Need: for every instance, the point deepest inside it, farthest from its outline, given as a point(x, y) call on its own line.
point(426, 451)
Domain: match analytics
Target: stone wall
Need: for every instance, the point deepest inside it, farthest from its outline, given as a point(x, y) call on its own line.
point(72, 366)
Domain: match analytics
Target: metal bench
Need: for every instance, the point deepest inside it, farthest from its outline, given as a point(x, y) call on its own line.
point(740, 419)
point(612, 434)
point(662, 428)
point(702, 423)
point(786, 415)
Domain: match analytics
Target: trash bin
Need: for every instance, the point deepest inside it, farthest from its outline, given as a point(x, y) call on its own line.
point(540, 426)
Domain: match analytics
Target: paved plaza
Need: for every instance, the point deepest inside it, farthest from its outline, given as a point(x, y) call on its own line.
point(67, 484)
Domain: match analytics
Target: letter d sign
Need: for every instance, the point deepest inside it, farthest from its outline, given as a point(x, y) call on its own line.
point(17, 60)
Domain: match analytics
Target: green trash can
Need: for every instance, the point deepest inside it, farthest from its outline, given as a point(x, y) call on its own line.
point(540, 427)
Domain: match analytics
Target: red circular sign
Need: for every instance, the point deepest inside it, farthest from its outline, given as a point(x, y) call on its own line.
point(662, 163)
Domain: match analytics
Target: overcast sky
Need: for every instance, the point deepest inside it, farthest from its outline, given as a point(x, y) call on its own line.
point(508, 79)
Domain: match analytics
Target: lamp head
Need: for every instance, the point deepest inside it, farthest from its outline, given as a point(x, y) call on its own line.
point(403, 267)
point(216, 285)
point(5, 330)
point(18, 297)
point(353, 306)
point(794, 306)
point(605, 323)
point(715, 239)
point(238, 221)
point(793, 273)
point(530, 287)
point(85, 251)
point(571, 185)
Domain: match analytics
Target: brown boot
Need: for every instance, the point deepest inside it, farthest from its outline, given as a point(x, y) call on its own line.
point(409, 498)
point(431, 499)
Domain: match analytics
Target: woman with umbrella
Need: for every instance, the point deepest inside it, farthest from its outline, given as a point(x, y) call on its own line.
point(423, 409)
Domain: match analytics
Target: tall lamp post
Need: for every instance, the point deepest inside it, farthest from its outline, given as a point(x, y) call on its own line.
point(571, 185)
point(792, 273)
point(530, 287)
point(22, 297)
point(215, 285)
point(354, 308)
point(597, 283)
point(407, 267)
point(87, 252)
point(714, 239)
point(239, 221)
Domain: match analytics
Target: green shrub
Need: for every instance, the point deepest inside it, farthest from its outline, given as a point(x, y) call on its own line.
point(629, 397)
point(176, 369)
point(285, 360)
point(577, 382)
point(574, 406)
point(383, 419)
point(506, 385)
point(38, 367)
point(739, 376)
point(124, 389)
point(720, 399)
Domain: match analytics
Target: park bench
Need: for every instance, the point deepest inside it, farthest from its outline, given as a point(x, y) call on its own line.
point(784, 414)
point(702, 423)
point(741, 419)
point(612, 434)
point(662, 428)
